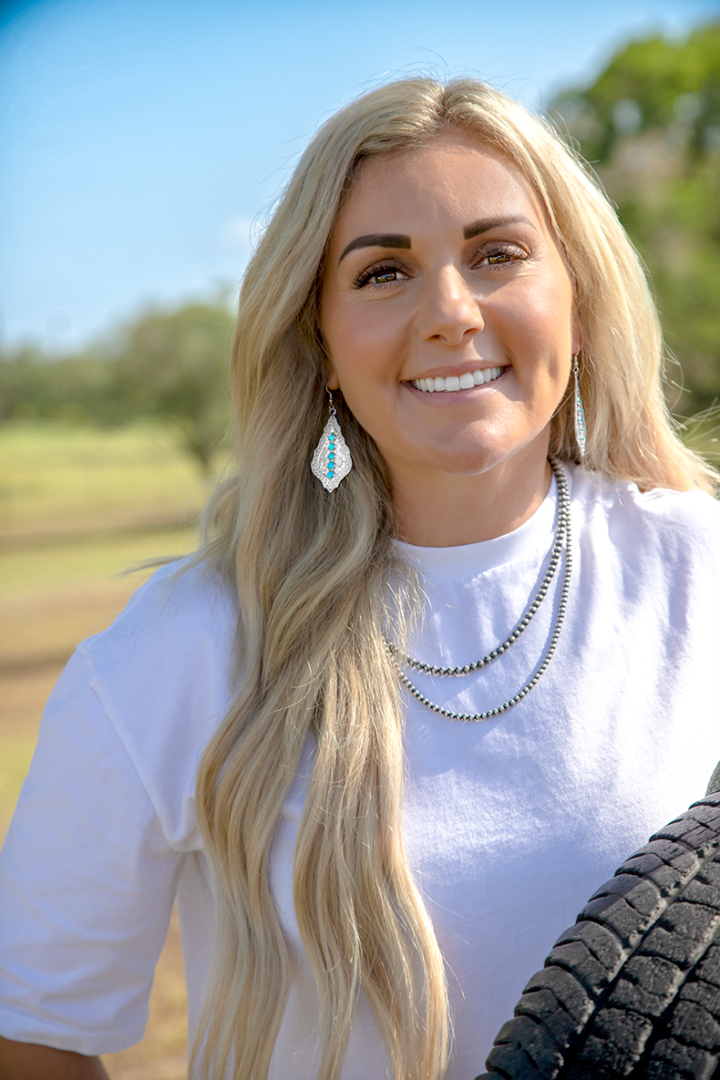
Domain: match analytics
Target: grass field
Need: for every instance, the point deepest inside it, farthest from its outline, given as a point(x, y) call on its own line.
point(58, 479)
point(77, 508)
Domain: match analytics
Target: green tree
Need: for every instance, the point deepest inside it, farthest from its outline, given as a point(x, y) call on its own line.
point(173, 365)
point(650, 125)
point(74, 389)
point(652, 85)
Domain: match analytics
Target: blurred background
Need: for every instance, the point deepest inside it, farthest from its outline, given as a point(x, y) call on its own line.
point(142, 143)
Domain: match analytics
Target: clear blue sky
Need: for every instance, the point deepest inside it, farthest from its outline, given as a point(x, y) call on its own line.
point(141, 139)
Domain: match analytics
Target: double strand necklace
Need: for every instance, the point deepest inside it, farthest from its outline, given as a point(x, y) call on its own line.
point(562, 539)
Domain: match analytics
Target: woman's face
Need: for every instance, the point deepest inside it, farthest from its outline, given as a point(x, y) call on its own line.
point(442, 272)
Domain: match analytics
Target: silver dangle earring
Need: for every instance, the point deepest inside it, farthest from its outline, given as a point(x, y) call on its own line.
point(580, 426)
point(331, 461)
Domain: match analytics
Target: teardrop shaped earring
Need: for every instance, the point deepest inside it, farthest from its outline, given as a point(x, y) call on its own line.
point(331, 461)
point(580, 426)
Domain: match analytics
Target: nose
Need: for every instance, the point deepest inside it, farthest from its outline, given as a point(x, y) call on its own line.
point(449, 309)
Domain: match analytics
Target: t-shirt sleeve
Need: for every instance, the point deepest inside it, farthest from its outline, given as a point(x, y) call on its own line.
point(87, 881)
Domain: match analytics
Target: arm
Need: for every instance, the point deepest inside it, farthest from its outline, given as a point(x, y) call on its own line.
point(28, 1061)
point(87, 883)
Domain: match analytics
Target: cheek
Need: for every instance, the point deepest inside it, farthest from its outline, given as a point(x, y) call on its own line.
point(361, 344)
point(544, 320)
point(329, 332)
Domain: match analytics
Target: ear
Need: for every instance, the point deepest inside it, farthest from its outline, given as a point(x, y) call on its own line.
point(332, 381)
point(577, 335)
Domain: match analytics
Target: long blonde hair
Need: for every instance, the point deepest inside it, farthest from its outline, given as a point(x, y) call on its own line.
point(311, 570)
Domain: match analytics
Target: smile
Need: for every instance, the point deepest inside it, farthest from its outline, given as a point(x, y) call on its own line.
point(459, 382)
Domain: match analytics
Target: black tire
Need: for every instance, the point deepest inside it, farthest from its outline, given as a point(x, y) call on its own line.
point(633, 989)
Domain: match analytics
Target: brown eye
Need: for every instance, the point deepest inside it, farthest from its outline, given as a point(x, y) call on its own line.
point(500, 255)
point(379, 275)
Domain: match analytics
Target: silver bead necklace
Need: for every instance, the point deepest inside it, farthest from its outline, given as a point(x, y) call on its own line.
point(562, 538)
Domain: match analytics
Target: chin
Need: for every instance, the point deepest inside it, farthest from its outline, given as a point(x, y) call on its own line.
point(468, 463)
point(481, 460)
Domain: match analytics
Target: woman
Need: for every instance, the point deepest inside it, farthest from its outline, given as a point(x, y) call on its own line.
point(429, 679)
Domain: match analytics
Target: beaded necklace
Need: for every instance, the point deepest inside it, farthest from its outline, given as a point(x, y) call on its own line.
point(562, 539)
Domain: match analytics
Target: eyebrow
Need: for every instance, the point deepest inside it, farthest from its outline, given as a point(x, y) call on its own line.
point(398, 240)
point(386, 240)
point(486, 224)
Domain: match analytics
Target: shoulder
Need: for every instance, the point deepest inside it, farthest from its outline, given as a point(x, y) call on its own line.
point(681, 523)
point(163, 674)
point(179, 609)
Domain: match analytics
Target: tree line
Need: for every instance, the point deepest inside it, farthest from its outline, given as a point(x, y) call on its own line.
point(166, 365)
point(650, 127)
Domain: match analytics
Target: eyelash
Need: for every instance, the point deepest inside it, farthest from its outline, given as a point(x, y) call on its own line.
point(377, 270)
point(509, 252)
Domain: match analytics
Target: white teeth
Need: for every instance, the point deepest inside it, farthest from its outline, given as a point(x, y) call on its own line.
point(463, 382)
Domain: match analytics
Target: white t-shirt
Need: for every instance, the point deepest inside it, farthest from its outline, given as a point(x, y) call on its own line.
point(510, 824)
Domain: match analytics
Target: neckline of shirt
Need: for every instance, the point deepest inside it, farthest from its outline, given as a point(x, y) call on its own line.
point(534, 535)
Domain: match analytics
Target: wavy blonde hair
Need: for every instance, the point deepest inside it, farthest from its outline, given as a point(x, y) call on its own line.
point(311, 570)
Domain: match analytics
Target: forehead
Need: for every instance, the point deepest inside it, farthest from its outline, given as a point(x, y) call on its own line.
point(456, 176)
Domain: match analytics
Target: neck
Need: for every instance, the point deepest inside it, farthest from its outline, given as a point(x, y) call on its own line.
point(447, 510)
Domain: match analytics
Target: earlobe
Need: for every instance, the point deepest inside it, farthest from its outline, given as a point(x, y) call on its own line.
point(331, 379)
point(577, 336)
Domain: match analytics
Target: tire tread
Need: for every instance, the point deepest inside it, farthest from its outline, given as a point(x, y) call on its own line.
point(633, 988)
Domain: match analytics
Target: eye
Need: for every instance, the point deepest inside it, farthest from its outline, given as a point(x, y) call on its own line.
point(381, 274)
point(499, 254)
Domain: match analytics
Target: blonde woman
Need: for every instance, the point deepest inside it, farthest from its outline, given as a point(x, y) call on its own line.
point(445, 657)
